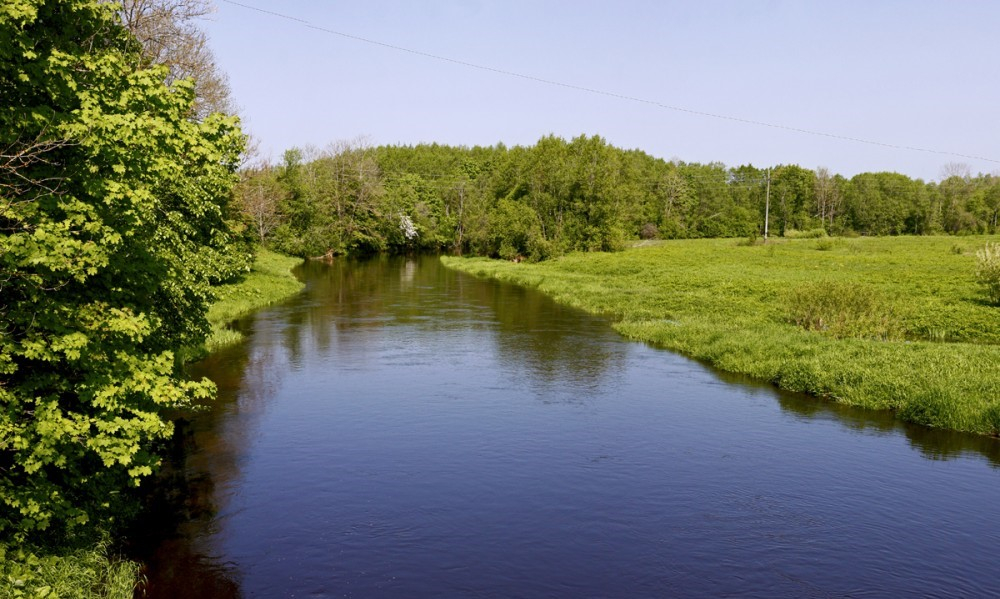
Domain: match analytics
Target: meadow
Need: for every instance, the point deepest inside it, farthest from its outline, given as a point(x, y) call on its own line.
point(888, 323)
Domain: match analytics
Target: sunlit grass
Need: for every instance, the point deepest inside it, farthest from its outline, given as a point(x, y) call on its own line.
point(269, 281)
point(897, 323)
point(75, 574)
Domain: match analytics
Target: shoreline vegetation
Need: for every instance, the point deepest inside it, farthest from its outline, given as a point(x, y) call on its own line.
point(86, 569)
point(128, 197)
point(885, 323)
point(270, 280)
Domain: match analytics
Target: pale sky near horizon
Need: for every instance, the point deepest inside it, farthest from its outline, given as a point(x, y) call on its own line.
point(904, 73)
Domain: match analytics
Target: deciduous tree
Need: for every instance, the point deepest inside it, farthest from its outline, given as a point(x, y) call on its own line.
point(113, 221)
point(168, 34)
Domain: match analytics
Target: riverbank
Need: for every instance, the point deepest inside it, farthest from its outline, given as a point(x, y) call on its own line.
point(270, 280)
point(882, 323)
point(93, 570)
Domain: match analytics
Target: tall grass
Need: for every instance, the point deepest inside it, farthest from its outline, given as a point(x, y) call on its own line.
point(844, 309)
point(810, 234)
point(88, 573)
point(883, 323)
point(988, 271)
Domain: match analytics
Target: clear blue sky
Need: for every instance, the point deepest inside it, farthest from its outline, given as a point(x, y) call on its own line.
point(908, 73)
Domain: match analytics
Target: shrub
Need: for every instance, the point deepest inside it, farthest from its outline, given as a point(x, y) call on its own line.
point(988, 271)
point(649, 231)
point(810, 234)
point(844, 310)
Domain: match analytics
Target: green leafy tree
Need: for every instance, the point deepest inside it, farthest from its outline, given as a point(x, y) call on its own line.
point(676, 199)
point(515, 232)
point(881, 203)
point(259, 195)
point(793, 193)
point(114, 219)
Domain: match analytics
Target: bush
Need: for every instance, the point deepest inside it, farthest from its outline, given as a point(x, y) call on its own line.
point(844, 310)
point(810, 234)
point(649, 231)
point(988, 271)
point(824, 245)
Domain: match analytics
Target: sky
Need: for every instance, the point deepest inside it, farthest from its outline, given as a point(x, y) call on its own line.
point(678, 80)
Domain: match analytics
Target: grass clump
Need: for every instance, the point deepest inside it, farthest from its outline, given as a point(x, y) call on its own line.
point(882, 323)
point(988, 271)
point(88, 573)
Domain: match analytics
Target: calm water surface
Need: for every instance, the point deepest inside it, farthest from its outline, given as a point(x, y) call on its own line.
point(401, 430)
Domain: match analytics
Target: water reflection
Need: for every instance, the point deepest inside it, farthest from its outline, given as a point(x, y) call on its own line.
point(359, 299)
point(201, 473)
point(402, 429)
point(934, 444)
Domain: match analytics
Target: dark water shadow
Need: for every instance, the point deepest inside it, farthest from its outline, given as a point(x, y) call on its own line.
point(200, 466)
point(933, 444)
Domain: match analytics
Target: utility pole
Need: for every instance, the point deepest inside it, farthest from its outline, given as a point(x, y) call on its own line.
point(767, 203)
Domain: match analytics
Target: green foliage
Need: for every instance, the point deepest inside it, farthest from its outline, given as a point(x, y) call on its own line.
point(515, 232)
point(585, 195)
point(269, 281)
point(810, 234)
point(844, 309)
point(114, 221)
point(331, 205)
point(727, 304)
point(988, 271)
point(825, 244)
point(792, 198)
point(71, 574)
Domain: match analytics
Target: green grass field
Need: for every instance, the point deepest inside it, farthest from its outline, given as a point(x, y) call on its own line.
point(892, 323)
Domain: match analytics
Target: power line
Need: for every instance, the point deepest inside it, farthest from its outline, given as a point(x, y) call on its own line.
point(605, 93)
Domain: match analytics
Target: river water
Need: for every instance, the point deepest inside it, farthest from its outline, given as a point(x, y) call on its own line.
point(402, 430)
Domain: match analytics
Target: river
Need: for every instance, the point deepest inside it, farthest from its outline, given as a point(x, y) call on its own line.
point(402, 430)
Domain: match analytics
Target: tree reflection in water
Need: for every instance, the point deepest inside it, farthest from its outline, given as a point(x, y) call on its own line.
point(371, 317)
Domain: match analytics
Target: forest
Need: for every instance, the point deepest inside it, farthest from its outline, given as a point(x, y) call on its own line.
point(584, 194)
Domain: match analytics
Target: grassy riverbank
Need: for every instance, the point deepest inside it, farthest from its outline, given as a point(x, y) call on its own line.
point(269, 281)
point(93, 571)
point(883, 323)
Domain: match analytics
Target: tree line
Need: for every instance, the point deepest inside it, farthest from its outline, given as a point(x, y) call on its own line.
point(582, 194)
